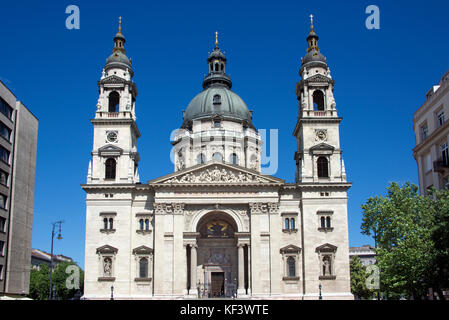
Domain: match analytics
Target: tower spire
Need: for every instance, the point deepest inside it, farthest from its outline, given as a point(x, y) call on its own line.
point(119, 39)
point(216, 39)
point(312, 38)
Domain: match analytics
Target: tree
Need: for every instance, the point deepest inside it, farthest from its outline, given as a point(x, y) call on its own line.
point(40, 279)
point(358, 279)
point(402, 224)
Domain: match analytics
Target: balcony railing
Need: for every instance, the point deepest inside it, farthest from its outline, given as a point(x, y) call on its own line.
point(441, 166)
point(108, 115)
point(321, 113)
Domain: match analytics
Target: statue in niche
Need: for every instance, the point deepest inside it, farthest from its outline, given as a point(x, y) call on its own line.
point(326, 266)
point(107, 268)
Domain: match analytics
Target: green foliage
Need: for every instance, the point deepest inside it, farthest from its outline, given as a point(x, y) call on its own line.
point(404, 228)
point(358, 279)
point(40, 281)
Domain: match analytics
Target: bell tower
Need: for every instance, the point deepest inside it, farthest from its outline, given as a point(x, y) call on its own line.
point(114, 156)
point(318, 156)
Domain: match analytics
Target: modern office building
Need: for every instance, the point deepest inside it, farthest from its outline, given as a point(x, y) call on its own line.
point(431, 127)
point(18, 143)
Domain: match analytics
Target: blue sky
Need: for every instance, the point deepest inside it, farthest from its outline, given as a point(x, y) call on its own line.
point(381, 78)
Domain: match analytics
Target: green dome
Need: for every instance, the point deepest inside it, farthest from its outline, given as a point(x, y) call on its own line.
point(217, 100)
point(118, 57)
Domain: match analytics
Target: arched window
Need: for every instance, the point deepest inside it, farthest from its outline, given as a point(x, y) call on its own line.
point(291, 265)
point(147, 224)
point(105, 222)
point(286, 224)
point(234, 159)
point(114, 101)
point(201, 159)
point(141, 224)
point(292, 224)
point(217, 157)
point(110, 168)
point(323, 222)
point(111, 223)
point(318, 100)
point(328, 222)
point(323, 170)
point(143, 268)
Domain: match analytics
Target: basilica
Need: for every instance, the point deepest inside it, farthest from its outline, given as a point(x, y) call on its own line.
point(216, 227)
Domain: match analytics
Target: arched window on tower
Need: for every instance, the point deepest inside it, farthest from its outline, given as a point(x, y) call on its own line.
point(234, 159)
point(286, 223)
point(328, 222)
point(217, 99)
point(110, 169)
point(217, 156)
point(323, 168)
point(114, 101)
point(292, 224)
point(143, 268)
point(318, 100)
point(201, 159)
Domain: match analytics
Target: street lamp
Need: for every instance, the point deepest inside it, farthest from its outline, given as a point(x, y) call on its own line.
point(54, 224)
point(321, 297)
point(112, 292)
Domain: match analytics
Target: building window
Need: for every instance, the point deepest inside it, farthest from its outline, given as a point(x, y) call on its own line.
point(291, 265)
point(290, 254)
point(5, 132)
point(325, 220)
point(445, 154)
point(1, 272)
point(286, 223)
point(234, 159)
point(2, 248)
point(323, 170)
point(114, 101)
point(289, 223)
point(440, 118)
point(147, 224)
point(424, 132)
point(141, 222)
point(318, 100)
point(3, 199)
point(217, 123)
point(217, 156)
point(292, 224)
point(217, 99)
point(108, 222)
point(2, 224)
point(5, 109)
point(144, 224)
point(4, 155)
point(110, 169)
point(3, 178)
point(201, 159)
point(143, 268)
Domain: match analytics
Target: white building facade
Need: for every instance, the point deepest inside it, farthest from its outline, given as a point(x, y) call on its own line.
point(216, 226)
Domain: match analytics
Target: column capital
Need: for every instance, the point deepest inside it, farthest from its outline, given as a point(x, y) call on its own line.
point(169, 208)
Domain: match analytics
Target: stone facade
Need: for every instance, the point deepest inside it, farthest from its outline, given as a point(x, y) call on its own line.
point(432, 137)
point(216, 226)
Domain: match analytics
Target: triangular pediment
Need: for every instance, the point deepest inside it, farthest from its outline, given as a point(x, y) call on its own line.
point(217, 173)
point(322, 146)
point(319, 78)
point(143, 250)
point(327, 247)
point(113, 79)
point(290, 249)
point(110, 150)
point(107, 249)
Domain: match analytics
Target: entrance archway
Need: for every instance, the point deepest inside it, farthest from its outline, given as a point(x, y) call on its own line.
point(216, 255)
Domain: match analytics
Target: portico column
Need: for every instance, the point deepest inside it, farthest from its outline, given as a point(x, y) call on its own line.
point(193, 265)
point(249, 269)
point(241, 269)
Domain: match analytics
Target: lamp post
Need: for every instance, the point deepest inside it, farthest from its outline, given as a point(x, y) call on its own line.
point(112, 292)
point(320, 297)
point(54, 224)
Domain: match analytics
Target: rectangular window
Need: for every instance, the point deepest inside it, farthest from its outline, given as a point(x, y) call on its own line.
point(3, 178)
point(4, 155)
point(424, 132)
point(3, 201)
point(5, 109)
point(427, 163)
point(2, 246)
point(1, 272)
point(2, 224)
point(440, 118)
point(444, 154)
point(5, 132)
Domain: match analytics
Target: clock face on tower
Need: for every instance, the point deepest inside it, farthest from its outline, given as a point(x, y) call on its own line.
point(321, 135)
point(111, 136)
